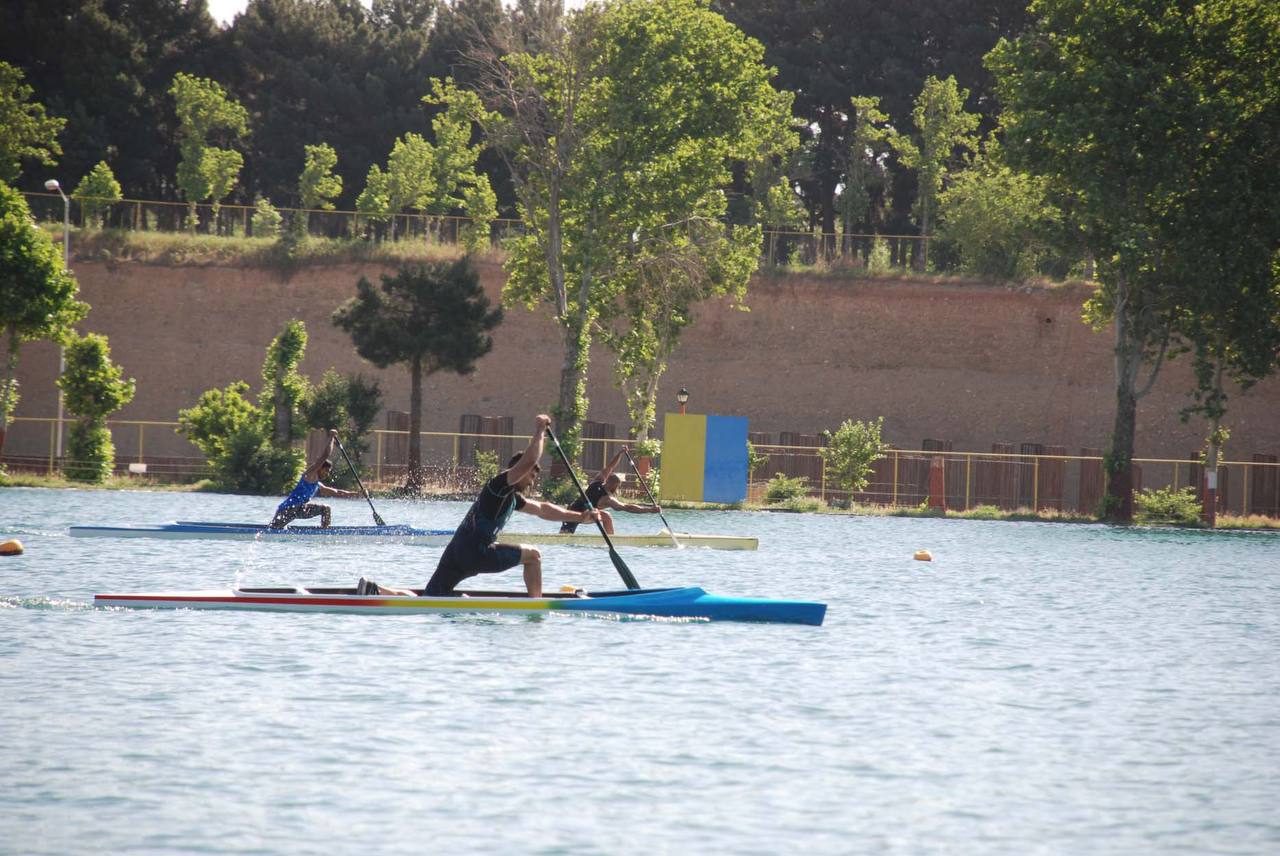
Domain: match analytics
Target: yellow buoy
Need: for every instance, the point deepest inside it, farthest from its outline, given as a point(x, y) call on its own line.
point(923, 556)
point(12, 547)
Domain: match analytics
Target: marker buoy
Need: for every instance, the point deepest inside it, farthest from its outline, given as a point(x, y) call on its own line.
point(12, 547)
point(923, 556)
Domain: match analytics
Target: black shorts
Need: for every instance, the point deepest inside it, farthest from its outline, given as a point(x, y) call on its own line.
point(459, 562)
point(297, 512)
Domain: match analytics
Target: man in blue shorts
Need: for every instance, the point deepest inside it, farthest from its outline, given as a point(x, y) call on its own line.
point(298, 505)
point(474, 548)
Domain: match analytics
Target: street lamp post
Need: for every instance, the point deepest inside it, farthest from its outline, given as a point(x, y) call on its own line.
point(682, 398)
point(52, 184)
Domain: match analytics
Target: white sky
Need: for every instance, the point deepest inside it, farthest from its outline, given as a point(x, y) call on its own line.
point(223, 11)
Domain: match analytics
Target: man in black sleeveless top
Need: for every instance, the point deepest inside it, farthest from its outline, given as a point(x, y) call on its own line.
point(474, 548)
point(601, 493)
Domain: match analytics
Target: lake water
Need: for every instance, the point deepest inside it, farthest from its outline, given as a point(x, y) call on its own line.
point(1038, 688)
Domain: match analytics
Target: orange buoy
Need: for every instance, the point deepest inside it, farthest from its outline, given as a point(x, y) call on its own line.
point(12, 547)
point(923, 556)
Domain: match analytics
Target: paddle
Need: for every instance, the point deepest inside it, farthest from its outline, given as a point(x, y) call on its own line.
point(376, 518)
point(623, 570)
point(652, 501)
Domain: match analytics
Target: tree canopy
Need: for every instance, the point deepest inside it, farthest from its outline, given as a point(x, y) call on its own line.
point(433, 316)
point(38, 295)
point(1148, 115)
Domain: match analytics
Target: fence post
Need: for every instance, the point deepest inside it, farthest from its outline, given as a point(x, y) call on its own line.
point(968, 478)
point(378, 471)
point(141, 430)
point(1245, 499)
point(895, 478)
point(53, 439)
point(938, 483)
point(1035, 486)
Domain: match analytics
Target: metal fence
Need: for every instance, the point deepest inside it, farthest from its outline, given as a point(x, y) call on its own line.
point(448, 458)
point(779, 248)
point(1038, 477)
point(1009, 481)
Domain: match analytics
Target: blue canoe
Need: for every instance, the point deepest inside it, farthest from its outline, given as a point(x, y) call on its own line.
point(398, 533)
point(690, 602)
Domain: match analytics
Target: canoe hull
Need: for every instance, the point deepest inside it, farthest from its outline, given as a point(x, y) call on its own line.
point(658, 539)
point(689, 602)
point(308, 534)
point(393, 534)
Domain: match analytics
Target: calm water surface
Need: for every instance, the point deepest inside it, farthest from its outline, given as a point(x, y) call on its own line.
point(1037, 688)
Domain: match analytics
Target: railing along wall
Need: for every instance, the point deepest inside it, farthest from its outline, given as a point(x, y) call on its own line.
point(1045, 480)
point(1035, 477)
point(779, 247)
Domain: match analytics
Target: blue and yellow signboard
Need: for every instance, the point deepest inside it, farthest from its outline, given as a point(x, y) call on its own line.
point(704, 458)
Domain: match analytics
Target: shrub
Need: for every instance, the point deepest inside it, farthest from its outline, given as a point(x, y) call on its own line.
point(266, 219)
point(95, 192)
point(1166, 505)
point(879, 260)
point(94, 388)
point(90, 452)
point(851, 451)
point(782, 489)
point(486, 465)
point(250, 464)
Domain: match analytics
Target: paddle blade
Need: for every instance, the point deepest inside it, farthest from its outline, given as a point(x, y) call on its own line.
point(623, 571)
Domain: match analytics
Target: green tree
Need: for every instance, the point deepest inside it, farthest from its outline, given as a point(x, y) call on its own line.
point(411, 181)
point(106, 66)
point(1001, 221)
point(345, 73)
point(37, 293)
point(266, 219)
point(946, 131)
point(95, 193)
point(1223, 252)
point(1154, 116)
point(432, 316)
point(374, 202)
point(317, 186)
point(850, 452)
point(871, 141)
point(663, 280)
point(26, 133)
point(351, 403)
point(284, 389)
point(619, 133)
point(205, 114)
point(234, 436)
point(458, 185)
point(94, 388)
point(829, 51)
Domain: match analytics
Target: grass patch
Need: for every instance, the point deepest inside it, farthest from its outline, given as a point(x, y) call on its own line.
point(1252, 521)
point(129, 482)
point(180, 249)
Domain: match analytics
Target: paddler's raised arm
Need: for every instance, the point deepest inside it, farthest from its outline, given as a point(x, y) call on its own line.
point(532, 453)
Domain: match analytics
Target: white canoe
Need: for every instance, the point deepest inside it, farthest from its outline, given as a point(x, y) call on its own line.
point(399, 534)
point(658, 539)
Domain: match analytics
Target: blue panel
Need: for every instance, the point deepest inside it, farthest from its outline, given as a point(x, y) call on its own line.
point(726, 461)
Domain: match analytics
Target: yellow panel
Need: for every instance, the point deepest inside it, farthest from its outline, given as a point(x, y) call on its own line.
point(684, 454)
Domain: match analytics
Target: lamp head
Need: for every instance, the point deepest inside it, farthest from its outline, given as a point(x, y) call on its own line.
point(682, 396)
point(52, 184)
